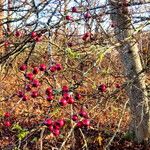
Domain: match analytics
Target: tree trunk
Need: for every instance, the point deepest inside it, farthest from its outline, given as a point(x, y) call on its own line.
point(129, 53)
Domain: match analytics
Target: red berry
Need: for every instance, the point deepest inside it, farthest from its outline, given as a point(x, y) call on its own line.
point(63, 102)
point(35, 70)
point(86, 122)
point(66, 96)
point(29, 76)
point(70, 100)
point(68, 17)
point(74, 117)
point(25, 98)
point(17, 33)
point(33, 34)
point(50, 97)
point(51, 127)
point(20, 94)
point(48, 122)
point(79, 124)
point(83, 113)
point(7, 114)
point(74, 9)
point(87, 15)
point(34, 94)
point(42, 67)
point(23, 67)
point(49, 91)
point(53, 68)
point(117, 85)
point(6, 44)
point(102, 88)
point(70, 44)
point(38, 38)
point(56, 132)
point(28, 87)
point(78, 96)
point(7, 124)
point(58, 67)
point(60, 123)
point(35, 83)
point(65, 88)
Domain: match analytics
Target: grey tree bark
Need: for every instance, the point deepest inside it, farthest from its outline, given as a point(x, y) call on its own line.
point(133, 69)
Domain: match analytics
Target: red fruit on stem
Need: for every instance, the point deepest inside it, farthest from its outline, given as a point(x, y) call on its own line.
point(28, 87)
point(29, 76)
point(87, 15)
point(74, 9)
point(79, 124)
point(86, 122)
point(35, 70)
point(56, 132)
point(65, 89)
point(75, 117)
point(53, 68)
point(58, 67)
point(25, 98)
point(51, 127)
point(78, 96)
point(35, 83)
point(7, 124)
point(23, 67)
point(103, 88)
point(117, 85)
point(20, 94)
point(33, 34)
point(42, 67)
point(68, 17)
point(17, 33)
point(60, 123)
point(83, 113)
point(70, 100)
point(50, 97)
point(49, 91)
point(63, 102)
point(7, 114)
point(34, 94)
point(48, 122)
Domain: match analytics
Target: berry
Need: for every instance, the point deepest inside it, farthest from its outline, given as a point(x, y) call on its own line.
point(78, 96)
point(34, 94)
point(74, 9)
point(53, 68)
point(17, 33)
point(79, 124)
point(68, 17)
point(35, 83)
point(51, 127)
point(49, 91)
point(86, 122)
point(48, 122)
point(102, 88)
point(29, 76)
point(83, 113)
point(42, 67)
point(23, 67)
point(35, 70)
point(7, 114)
point(28, 87)
point(70, 100)
point(33, 34)
point(7, 124)
point(58, 67)
point(50, 97)
point(20, 94)
point(74, 117)
point(25, 98)
point(60, 123)
point(117, 85)
point(56, 132)
point(65, 88)
point(70, 44)
point(87, 15)
point(63, 102)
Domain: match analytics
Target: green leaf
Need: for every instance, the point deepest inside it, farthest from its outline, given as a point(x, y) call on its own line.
point(22, 134)
point(17, 127)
